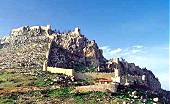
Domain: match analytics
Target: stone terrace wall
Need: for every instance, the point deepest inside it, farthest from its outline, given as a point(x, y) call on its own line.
point(99, 87)
point(69, 72)
point(93, 75)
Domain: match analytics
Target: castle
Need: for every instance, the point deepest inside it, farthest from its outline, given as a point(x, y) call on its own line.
point(69, 53)
point(117, 70)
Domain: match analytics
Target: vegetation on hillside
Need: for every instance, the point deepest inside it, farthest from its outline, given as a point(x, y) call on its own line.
point(41, 88)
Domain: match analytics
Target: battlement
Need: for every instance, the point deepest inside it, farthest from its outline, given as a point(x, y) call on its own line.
point(21, 29)
point(42, 27)
point(17, 30)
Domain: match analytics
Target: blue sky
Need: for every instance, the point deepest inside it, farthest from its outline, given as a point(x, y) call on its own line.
point(137, 30)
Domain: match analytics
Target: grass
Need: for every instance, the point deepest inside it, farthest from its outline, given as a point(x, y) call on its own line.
point(79, 100)
point(66, 93)
point(41, 82)
point(62, 92)
point(12, 80)
point(7, 100)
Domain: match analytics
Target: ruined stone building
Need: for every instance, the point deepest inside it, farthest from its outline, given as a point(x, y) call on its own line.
point(72, 50)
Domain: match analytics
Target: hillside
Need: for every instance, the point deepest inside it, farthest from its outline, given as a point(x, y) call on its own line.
point(27, 48)
point(24, 88)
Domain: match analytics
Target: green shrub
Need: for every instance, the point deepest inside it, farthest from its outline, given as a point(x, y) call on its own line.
point(65, 91)
point(79, 100)
point(100, 93)
point(41, 82)
point(35, 93)
point(5, 100)
point(149, 102)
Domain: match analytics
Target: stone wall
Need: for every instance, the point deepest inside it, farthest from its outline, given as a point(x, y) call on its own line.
point(99, 87)
point(19, 30)
point(93, 75)
point(69, 72)
point(132, 79)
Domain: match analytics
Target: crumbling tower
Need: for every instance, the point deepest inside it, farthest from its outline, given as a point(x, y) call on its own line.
point(77, 30)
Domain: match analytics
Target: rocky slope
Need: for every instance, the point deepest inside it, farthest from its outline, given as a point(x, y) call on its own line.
point(26, 48)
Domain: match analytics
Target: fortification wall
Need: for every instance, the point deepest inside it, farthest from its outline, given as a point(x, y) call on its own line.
point(93, 75)
point(21, 29)
point(99, 87)
point(17, 29)
point(131, 79)
point(69, 72)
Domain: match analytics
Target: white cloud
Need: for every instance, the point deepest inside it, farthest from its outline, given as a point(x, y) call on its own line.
point(138, 46)
point(119, 52)
point(116, 51)
point(104, 47)
point(135, 51)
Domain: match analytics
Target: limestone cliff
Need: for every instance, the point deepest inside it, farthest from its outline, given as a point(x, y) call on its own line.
point(76, 50)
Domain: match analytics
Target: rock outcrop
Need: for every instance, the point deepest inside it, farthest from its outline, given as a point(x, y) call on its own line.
point(74, 49)
point(25, 47)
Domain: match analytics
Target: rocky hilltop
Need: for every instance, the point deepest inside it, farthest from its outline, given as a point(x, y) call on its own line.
point(28, 47)
point(74, 50)
point(25, 47)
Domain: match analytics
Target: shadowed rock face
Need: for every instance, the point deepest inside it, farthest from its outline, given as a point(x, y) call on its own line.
point(62, 58)
point(73, 48)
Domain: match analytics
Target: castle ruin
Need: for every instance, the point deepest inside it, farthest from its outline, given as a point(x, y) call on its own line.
point(116, 69)
point(69, 53)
